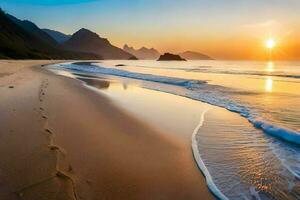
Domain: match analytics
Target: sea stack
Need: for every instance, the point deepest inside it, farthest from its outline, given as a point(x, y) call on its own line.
point(133, 58)
point(169, 57)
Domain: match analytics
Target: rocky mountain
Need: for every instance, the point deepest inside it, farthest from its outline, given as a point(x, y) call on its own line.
point(143, 53)
point(59, 37)
point(192, 55)
point(33, 29)
point(24, 40)
point(170, 57)
point(85, 40)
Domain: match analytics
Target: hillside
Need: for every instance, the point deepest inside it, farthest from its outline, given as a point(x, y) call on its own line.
point(59, 37)
point(192, 55)
point(143, 53)
point(20, 40)
point(85, 40)
point(34, 30)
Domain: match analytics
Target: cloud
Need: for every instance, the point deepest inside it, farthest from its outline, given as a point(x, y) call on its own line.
point(48, 2)
point(265, 24)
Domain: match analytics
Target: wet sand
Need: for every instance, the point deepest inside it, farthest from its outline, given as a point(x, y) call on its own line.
point(59, 140)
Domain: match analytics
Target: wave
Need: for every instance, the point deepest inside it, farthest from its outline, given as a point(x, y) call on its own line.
point(212, 186)
point(209, 69)
point(90, 68)
point(282, 133)
point(237, 72)
point(198, 90)
point(218, 99)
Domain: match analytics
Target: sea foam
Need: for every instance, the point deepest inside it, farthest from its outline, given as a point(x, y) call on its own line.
point(212, 186)
point(139, 76)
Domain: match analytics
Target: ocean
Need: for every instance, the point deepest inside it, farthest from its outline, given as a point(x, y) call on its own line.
point(254, 158)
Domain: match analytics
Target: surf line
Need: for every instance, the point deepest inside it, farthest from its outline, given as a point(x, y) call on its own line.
point(200, 163)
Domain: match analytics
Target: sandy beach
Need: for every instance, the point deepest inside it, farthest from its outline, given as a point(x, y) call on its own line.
point(59, 140)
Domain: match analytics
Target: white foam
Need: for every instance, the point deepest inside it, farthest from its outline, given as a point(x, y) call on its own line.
point(140, 76)
point(201, 164)
point(282, 133)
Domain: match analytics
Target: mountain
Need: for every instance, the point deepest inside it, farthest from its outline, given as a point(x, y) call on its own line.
point(85, 40)
point(191, 55)
point(59, 37)
point(143, 53)
point(33, 29)
point(170, 57)
point(20, 40)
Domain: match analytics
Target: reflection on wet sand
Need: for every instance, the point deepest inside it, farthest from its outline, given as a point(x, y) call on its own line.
point(85, 63)
point(100, 84)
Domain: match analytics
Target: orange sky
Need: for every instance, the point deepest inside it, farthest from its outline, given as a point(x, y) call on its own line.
point(223, 29)
point(245, 42)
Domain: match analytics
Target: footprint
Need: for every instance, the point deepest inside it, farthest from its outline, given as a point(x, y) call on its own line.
point(54, 148)
point(11, 86)
point(70, 168)
point(62, 175)
point(48, 131)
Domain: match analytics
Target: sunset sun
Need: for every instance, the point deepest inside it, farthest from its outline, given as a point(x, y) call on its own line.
point(270, 43)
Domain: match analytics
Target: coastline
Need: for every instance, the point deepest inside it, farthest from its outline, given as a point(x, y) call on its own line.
point(215, 190)
point(91, 148)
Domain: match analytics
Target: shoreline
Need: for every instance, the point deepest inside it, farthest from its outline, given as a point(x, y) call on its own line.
point(102, 86)
point(107, 174)
point(97, 86)
point(195, 150)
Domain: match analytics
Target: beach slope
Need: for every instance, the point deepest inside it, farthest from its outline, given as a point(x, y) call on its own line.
point(59, 140)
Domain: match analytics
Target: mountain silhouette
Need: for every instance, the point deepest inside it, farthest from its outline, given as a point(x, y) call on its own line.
point(192, 55)
point(24, 40)
point(85, 40)
point(59, 37)
point(143, 53)
point(33, 29)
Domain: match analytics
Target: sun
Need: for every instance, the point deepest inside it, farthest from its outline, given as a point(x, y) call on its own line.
point(270, 43)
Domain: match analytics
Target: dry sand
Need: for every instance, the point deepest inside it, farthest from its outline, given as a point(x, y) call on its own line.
point(59, 140)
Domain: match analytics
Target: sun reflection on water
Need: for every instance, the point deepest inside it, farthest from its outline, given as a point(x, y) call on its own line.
point(270, 67)
point(269, 84)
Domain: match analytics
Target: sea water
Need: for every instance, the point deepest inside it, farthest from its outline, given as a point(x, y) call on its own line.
point(258, 158)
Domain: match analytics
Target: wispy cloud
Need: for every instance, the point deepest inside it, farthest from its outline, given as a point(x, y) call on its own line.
point(264, 24)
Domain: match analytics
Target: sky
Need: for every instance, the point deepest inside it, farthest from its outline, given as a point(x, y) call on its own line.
point(223, 29)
